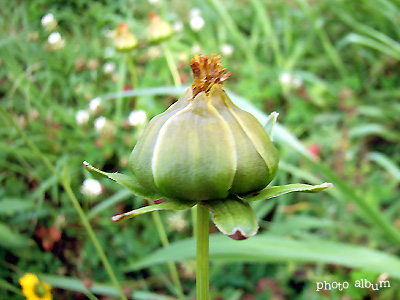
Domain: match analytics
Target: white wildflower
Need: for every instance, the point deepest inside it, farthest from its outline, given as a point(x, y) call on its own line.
point(91, 187)
point(137, 117)
point(108, 68)
point(227, 49)
point(82, 117)
point(288, 80)
point(55, 41)
point(54, 38)
point(285, 78)
point(100, 123)
point(196, 23)
point(49, 22)
point(94, 104)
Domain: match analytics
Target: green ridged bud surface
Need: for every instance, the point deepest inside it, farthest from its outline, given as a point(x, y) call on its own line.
point(204, 147)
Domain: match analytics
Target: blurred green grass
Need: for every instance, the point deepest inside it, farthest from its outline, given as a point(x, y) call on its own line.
point(330, 68)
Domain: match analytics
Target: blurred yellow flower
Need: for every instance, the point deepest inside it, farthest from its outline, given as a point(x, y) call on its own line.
point(33, 289)
point(123, 39)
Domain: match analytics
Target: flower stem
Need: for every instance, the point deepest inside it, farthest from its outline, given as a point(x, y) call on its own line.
point(131, 65)
point(202, 277)
point(120, 88)
point(171, 65)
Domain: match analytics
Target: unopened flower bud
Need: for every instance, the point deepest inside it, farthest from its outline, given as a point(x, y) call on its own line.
point(204, 147)
point(91, 187)
point(158, 30)
point(49, 22)
point(82, 117)
point(55, 42)
point(123, 39)
point(137, 118)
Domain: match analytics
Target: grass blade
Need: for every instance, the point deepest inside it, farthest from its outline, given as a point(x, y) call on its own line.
point(273, 249)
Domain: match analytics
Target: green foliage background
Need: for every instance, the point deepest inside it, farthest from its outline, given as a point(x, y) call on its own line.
point(345, 54)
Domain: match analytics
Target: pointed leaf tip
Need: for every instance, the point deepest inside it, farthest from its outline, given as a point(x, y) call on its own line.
point(130, 182)
point(269, 125)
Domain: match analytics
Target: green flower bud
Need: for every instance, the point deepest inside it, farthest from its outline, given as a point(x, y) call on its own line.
point(204, 147)
point(158, 30)
point(123, 39)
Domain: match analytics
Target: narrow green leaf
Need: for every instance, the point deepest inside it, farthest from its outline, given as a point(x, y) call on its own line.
point(6, 286)
point(233, 217)
point(10, 239)
point(274, 249)
point(275, 191)
point(129, 182)
point(387, 163)
point(76, 285)
point(10, 206)
point(168, 204)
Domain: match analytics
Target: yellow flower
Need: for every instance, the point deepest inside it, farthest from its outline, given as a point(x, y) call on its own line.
point(33, 289)
point(123, 39)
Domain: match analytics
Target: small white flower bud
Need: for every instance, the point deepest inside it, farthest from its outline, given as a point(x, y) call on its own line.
point(49, 22)
point(55, 41)
point(109, 68)
point(196, 23)
point(227, 49)
point(94, 104)
point(91, 187)
point(99, 123)
point(137, 117)
point(82, 117)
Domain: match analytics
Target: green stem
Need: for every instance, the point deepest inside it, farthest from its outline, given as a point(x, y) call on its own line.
point(120, 88)
point(202, 277)
point(64, 182)
point(132, 70)
point(165, 243)
point(171, 65)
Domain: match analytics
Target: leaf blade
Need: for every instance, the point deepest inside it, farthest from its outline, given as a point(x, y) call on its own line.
point(273, 249)
point(128, 182)
point(168, 204)
point(275, 191)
